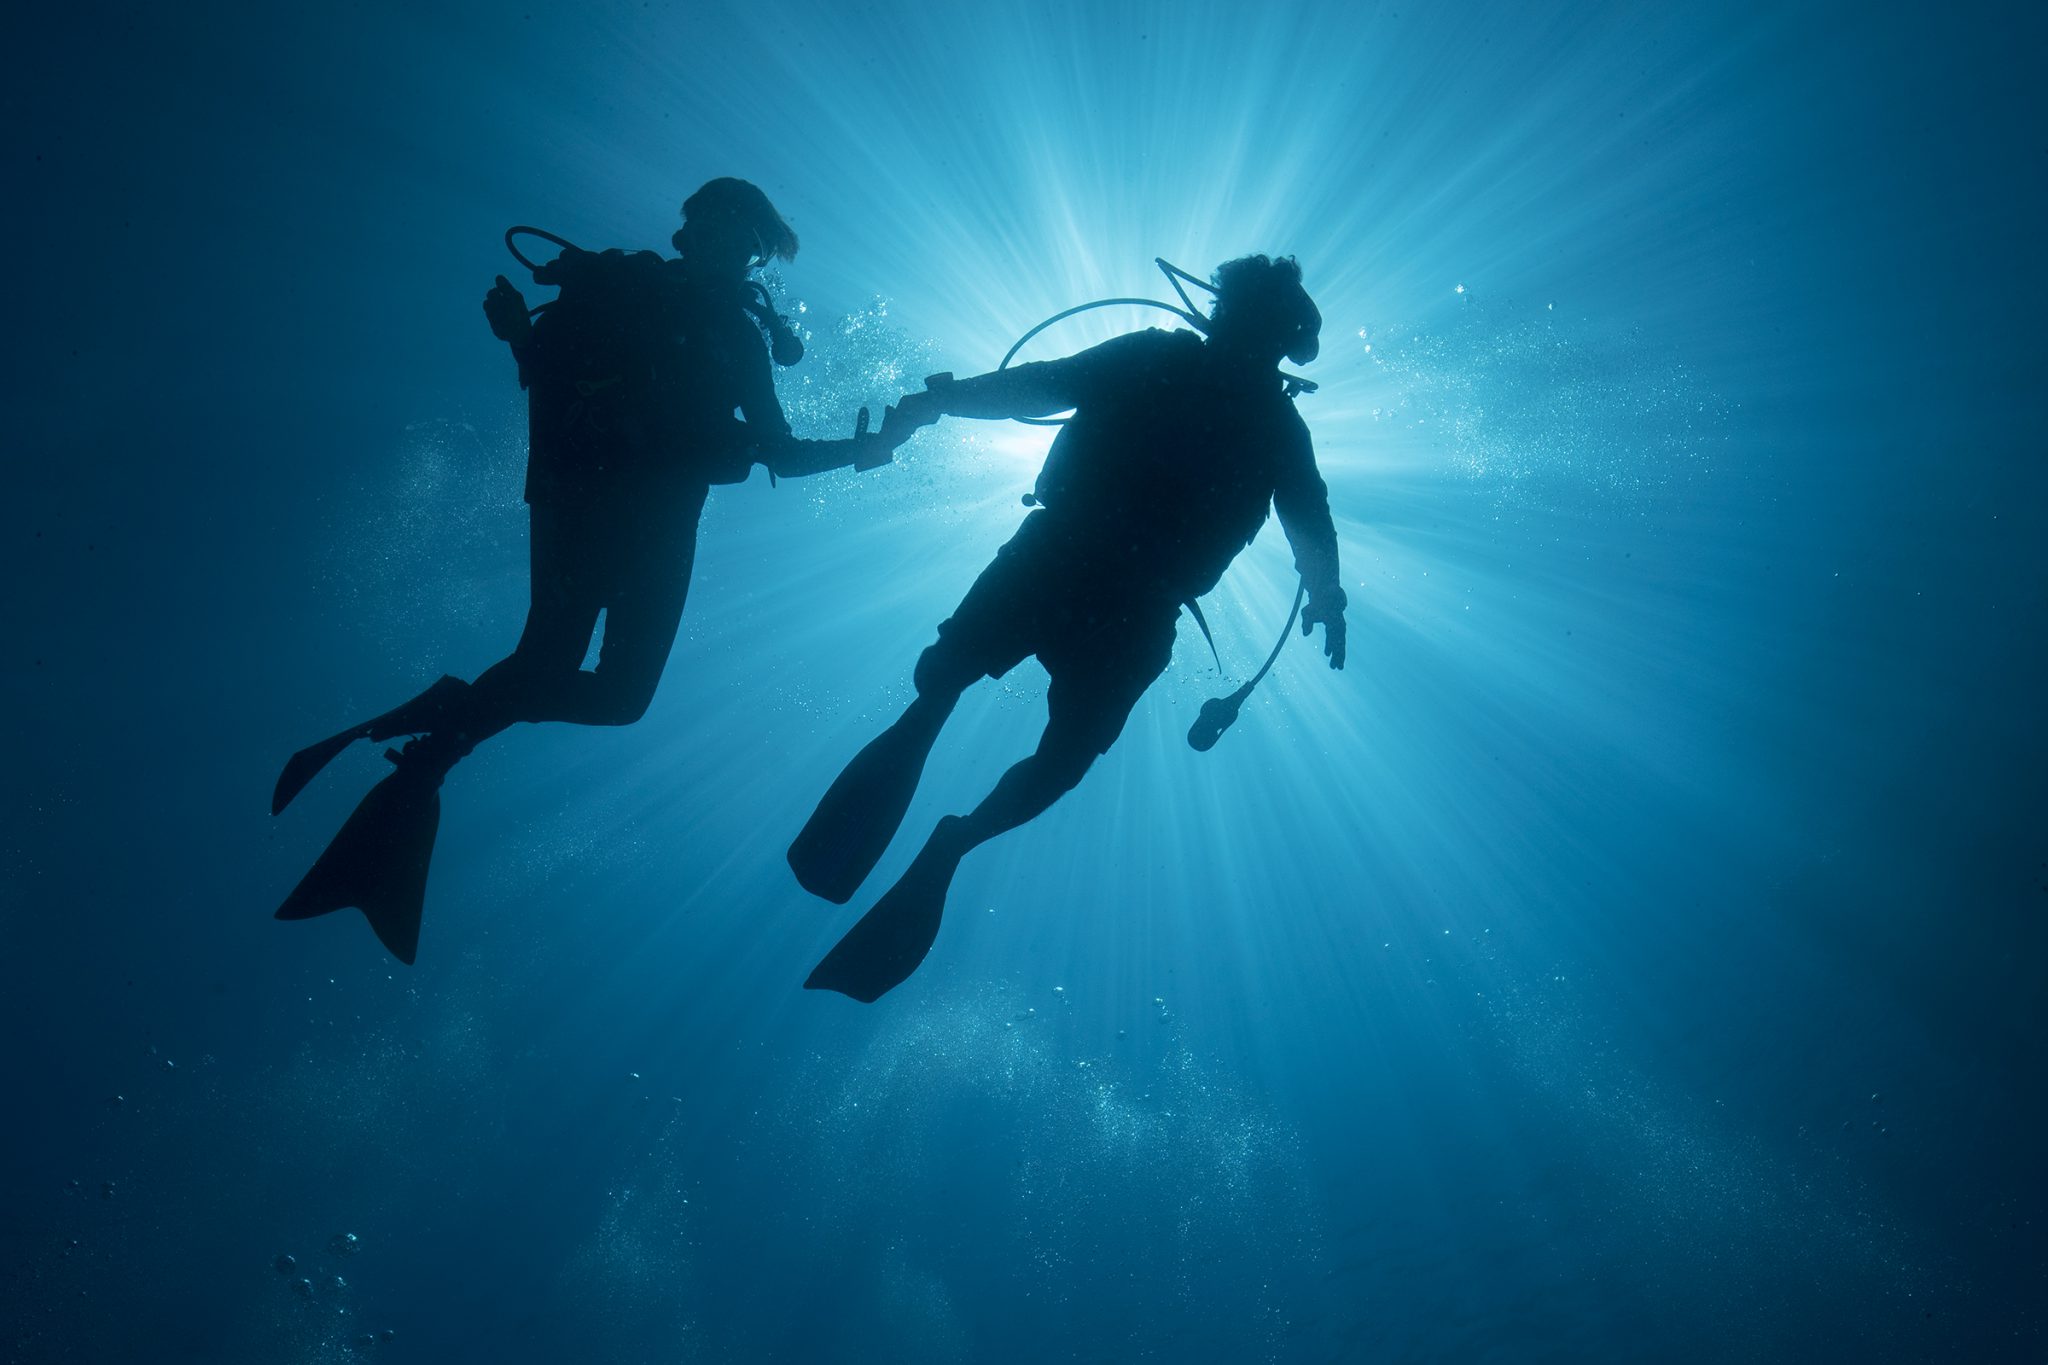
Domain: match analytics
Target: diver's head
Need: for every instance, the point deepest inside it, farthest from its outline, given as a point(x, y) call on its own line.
point(1263, 312)
point(729, 227)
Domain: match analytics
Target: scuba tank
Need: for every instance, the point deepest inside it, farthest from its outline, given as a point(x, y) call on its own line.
point(593, 369)
point(589, 368)
point(785, 344)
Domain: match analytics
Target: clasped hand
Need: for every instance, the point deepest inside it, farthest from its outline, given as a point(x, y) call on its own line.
point(910, 413)
point(900, 422)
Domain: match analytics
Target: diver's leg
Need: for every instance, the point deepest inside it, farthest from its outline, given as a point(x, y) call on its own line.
point(531, 682)
point(379, 860)
point(1091, 697)
point(1024, 793)
point(1096, 682)
point(885, 947)
point(557, 633)
point(989, 633)
point(559, 619)
point(425, 711)
point(639, 574)
point(644, 611)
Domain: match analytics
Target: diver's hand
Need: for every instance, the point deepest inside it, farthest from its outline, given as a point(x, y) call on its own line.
point(912, 411)
point(910, 414)
point(505, 307)
point(1331, 616)
point(872, 450)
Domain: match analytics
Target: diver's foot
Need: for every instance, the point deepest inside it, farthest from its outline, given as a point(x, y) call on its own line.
point(429, 710)
point(879, 953)
point(303, 766)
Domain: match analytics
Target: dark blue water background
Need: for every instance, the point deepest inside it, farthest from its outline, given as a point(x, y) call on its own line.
point(1636, 954)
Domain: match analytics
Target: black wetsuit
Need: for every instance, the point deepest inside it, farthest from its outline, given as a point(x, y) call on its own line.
point(633, 378)
point(1163, 474)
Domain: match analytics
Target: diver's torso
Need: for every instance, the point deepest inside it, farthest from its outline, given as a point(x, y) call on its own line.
point(639, 369)
point(1160, 479)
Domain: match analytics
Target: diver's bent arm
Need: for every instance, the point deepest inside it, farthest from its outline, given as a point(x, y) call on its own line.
point(772, 443)
point(767, 435)
point(794, 458)
point(1303, 502)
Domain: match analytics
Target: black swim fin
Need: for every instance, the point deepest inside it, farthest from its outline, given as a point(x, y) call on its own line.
point(428, 711)
point(378, 862)
point(879, 953)
point(861, 812)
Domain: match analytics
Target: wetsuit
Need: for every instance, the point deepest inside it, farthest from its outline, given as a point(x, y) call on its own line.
point(1163, 474)
point(632, 379)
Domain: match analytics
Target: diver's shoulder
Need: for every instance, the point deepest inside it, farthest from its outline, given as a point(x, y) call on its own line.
point(1150, 349)
point(1175, 341)
point(575, 267)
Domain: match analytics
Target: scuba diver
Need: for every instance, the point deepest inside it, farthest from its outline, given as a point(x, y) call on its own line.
point(1176, 447)
point(632, 376)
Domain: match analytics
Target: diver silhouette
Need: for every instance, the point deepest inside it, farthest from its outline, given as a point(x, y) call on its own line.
point(632, 377)
point(1163, 474)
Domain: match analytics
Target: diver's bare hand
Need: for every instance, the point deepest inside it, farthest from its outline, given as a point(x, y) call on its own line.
point(505, 308)
point(1330, 616)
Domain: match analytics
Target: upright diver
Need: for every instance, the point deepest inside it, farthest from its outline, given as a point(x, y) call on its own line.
point(632, 378)
point(1176, 447)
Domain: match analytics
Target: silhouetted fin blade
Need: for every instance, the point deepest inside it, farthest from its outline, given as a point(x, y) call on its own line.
point(305, 765)
point(852, 826)
point(428, 710)
point(378, 862)
point(879, 953)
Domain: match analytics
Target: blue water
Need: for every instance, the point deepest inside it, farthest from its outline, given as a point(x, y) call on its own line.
point(1636, 954)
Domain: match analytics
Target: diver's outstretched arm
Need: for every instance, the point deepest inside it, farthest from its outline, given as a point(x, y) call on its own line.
point(788, 457)
point(1038, 389)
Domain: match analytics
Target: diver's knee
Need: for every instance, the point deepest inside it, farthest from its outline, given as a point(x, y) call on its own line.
point(939, 676)
point(1065, 755)
point(626, 705)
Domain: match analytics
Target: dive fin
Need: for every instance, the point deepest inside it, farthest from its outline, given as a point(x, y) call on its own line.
point(879, 953)
point(861, 812)
point(378, 862)
point(425, 712)
point(305, 765)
